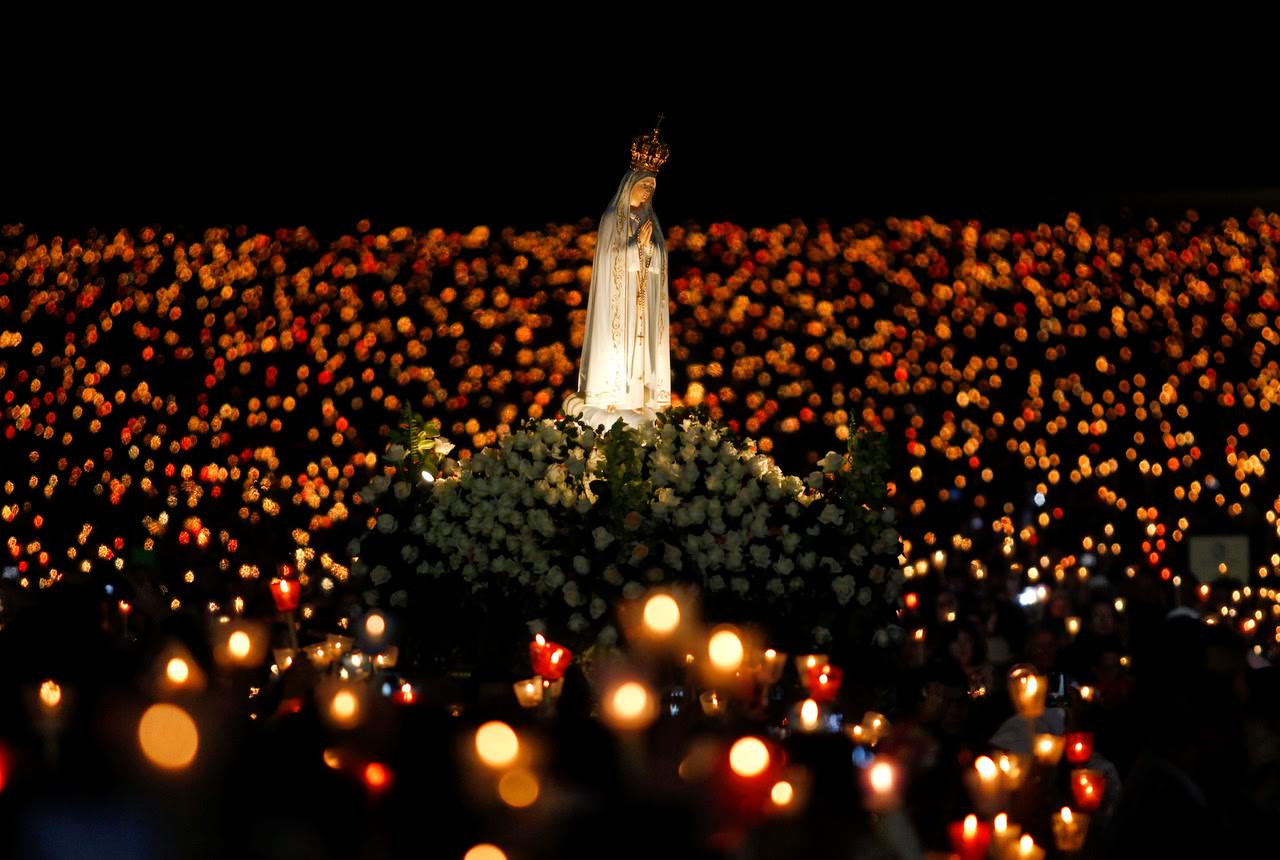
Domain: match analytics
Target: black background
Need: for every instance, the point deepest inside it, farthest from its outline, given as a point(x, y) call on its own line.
point(323, 128)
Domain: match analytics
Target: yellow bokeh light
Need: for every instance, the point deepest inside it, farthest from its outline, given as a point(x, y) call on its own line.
point(661, 614)
point(749, 757)
point(726, 650)
point(782, 793)
point(168, 736)
point(177, 671)
point(239, 645)
point(518, 788)
point(485, 851)
point(497, 744)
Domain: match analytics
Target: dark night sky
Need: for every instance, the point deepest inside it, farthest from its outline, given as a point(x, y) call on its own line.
point(452, 144)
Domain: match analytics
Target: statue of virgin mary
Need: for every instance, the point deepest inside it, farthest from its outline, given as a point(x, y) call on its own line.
point(625, 371)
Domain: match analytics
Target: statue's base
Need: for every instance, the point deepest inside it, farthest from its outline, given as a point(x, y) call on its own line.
point(595, 416)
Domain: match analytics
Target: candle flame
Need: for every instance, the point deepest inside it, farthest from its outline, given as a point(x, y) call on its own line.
point(1001, 823)
point(882, 777)
point(1066, 814)
point(986, 768)
point(809, 713)
point(970, 826)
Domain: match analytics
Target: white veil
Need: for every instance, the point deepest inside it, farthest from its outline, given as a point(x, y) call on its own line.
point(609, 336)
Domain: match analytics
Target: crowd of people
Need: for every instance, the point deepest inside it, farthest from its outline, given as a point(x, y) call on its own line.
point(1069, 406)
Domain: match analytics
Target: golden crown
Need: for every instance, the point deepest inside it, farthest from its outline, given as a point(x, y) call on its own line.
point(649, 153)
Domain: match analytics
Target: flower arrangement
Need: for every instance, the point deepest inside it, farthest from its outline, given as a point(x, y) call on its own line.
point(560, 522)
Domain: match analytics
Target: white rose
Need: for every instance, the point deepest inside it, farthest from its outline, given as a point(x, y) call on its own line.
point(409, 554)
point(612, 575)
point(353, 548)
point(821, 635)
point(831, 514)
point(864, 595)
point(808, 560)
point(760, 555)
point(671, 556)
point(843, 587)
point(632, 590)
point(785, 566)
point(577, 623)
point(386, 523)
point(395, 453)
point(602, 537)
point(815, 480)
point(774, 586)
point(739, 585)
point(400, 598)
point(418, 525)
point(571, 594)
point(380, 575)
point(790, 541)
point(580, 565)
point(792, 509)
point(608, 636)
point(443, 446)
point(554, 578)
point(597, 607)
point(716, 583)
point(857, 554)
point(831, 462)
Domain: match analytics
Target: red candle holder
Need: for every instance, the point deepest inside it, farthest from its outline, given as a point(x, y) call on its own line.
point(1079, 747)
point(970, 838)
point(1088, 787)
point(823, 682)
point(549, 659)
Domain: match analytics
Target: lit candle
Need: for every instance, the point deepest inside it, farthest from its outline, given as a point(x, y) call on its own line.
point(983, 782)
point(823, 682)
point(285, 593)
point(1069, 829)
point(1027, 690)
point(1048, 749)
point(970, 838)
point(1027, 849)
point(1079, 747)
point(549, 659)
point(1088, 787)
point(806, 662)
point(1073, 626)
point(883, 792)
point(1012, 770)
point(771, 665)
point(711, 704)
point(529, 692)
point(1004, 837)
point(874, 726)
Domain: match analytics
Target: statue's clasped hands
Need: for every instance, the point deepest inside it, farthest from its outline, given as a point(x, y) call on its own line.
point(646, 233)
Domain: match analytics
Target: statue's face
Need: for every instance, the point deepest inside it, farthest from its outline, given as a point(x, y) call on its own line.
point(642, 191)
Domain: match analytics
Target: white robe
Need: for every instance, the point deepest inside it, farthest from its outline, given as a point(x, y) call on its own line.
point(617, 367)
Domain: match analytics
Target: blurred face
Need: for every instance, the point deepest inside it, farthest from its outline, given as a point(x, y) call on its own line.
point(642, 191)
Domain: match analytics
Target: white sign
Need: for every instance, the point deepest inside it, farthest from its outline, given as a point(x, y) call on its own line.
point(1213, 556)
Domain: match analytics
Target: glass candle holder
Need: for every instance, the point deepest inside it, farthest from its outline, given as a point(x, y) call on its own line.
point(1069, 829)
point(1079, 747)
point(1088, 787)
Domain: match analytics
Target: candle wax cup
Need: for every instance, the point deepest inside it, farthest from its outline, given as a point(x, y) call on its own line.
point(970, 844)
